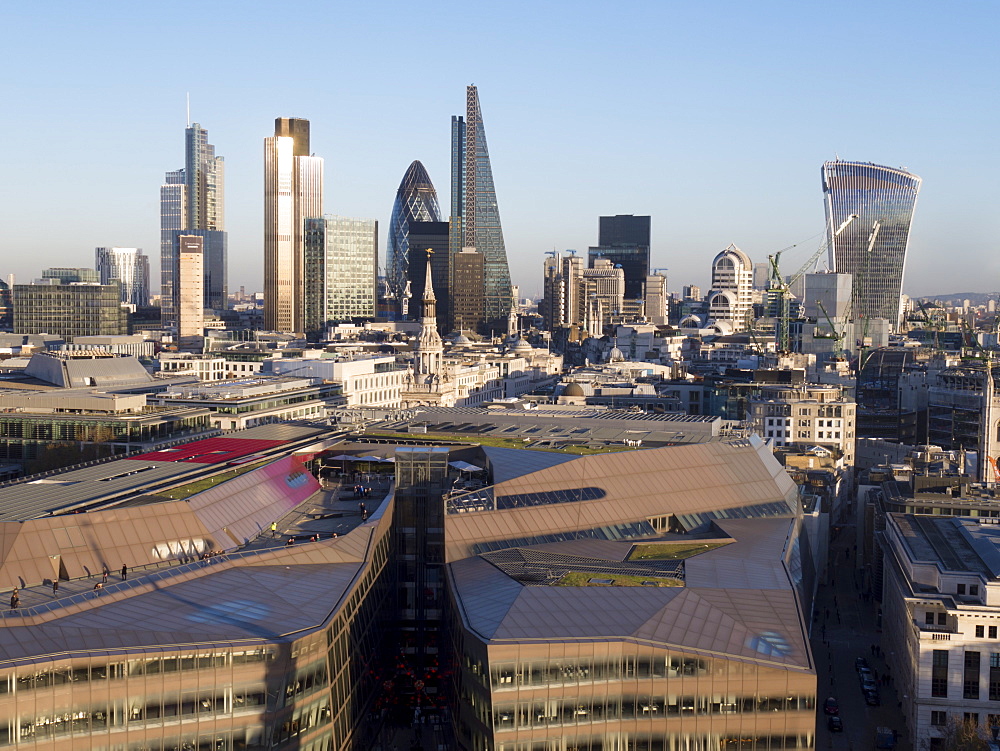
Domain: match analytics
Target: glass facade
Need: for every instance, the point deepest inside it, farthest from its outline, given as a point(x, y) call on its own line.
point(191, 202)
point(130, 268)
point(341, 259)
point(624, 240)
point(69, 310)
point(416, 201)
point(873, 247)
point(474, 202)
point(293, 192)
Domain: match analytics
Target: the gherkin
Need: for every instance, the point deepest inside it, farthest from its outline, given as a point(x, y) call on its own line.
point(416, 201)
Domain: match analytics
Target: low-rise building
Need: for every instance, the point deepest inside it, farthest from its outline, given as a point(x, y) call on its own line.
point(365, 380)
point(809, 415)
point(256, 401)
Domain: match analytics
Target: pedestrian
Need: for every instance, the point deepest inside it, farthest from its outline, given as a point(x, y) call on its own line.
point(291, 541)
point(124, 572)
point(15, 600)
point(55, 587)
point(98, 587)
point(274, 530)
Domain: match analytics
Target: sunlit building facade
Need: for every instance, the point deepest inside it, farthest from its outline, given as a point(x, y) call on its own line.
point(475, 215)
point(872, 248)
point(341, 254)
point(416, 201)
point(293, 192)
point(130, 267)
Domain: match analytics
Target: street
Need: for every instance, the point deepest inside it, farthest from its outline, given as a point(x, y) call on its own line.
point(850, 632)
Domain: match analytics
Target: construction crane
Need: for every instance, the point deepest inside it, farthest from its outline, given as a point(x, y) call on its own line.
point(779, 290)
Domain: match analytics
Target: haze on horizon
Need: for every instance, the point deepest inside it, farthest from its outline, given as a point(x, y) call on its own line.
point(712, 118)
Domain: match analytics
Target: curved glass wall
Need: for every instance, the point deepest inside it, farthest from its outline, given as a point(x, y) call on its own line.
point(416, 201)
point(872, 247)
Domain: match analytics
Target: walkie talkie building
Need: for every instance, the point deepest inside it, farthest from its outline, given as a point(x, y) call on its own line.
point(873, 247)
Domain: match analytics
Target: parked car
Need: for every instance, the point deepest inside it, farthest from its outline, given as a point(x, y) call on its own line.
point(861, 662)
point(863, 672)
point(872, 698)
point(868, 683)
point(835, 724)
point(831, 707)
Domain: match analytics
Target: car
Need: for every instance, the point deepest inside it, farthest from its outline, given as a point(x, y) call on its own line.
point(860, 663)
point(835, 724)
point(872, 698)
point(831, 707)
point(864, 671)
point(868, 683)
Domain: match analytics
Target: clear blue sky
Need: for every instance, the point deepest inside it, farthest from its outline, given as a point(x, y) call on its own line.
point(712, 117)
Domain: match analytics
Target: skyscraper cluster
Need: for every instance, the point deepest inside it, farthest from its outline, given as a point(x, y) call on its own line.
point(470, 268)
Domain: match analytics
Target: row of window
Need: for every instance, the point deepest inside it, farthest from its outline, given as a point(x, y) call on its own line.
point(659, 742)
point(574, 711)
point(11, 683)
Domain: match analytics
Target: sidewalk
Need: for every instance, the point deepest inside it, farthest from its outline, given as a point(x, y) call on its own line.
point(843, 629)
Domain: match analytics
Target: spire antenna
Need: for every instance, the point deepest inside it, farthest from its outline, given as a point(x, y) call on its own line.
point(188, 96)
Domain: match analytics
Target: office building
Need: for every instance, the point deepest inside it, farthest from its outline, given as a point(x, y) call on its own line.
point(873, 247)
point(69, 310)
point(433, 237)
point(624, 240)
point(416, 201)
point(475, 216)
point(465, 310)
point(293, 192)
point(341, 258)
point(189, 284)
point(656, 298)
point(805, 416)
point(571, 632)
point(6, 306)
point(68, 275)
point(940, 622)
point(130, 268)
point(192, 203)
point(602, 294)
point(730, 301)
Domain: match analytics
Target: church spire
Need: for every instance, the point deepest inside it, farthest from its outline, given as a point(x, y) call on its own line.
point(429, 301)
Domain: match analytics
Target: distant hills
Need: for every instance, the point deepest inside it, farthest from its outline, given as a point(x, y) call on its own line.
point(958, 298)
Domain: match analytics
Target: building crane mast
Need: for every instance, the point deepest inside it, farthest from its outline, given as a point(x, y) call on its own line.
point(779, 290)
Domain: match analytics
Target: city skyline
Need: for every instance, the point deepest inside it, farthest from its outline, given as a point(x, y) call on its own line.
point(707, 177)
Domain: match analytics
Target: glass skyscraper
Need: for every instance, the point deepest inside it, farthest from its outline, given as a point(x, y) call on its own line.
point(873, 247)
point(416, 201)
point(475, 216)
point(191, 200)
point(342, 256)
point(624, 240)
point(130, 267)
point(293, 192)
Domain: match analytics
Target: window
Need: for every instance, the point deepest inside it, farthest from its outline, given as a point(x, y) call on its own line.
point(939, 719)
point(942, 619)
point(971, 718)
point(993, 632)
point(980, 632)
point(929, 618)
point(960, 589)
point(939, 673)
point(970, 685)
point(974, 590)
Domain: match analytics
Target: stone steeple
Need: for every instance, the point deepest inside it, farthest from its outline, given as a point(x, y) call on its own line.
point(427, 355)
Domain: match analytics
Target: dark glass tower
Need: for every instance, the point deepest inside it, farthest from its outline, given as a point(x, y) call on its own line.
point(416, 201)
point(475, 216)
point(873, 247)
point(624, 240)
